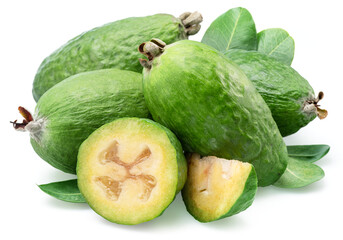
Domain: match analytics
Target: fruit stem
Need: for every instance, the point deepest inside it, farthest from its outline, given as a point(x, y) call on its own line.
point(191, 22)
point(311, 106)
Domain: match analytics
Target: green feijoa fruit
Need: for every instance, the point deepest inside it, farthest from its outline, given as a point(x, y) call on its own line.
point(276, 43)
point(289, 96)
point(308, 153)
point(213, 108)
point(299, 174)
point(217, 188)
point(67, 113)
point(233, 29)
point(66, 191)
point(113, 45)
point(130, 170)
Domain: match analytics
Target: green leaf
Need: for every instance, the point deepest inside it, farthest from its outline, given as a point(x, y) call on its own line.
point(233, 29)
point(309, 153)
point(299, 174)
point(65, 191)
point(276, 43)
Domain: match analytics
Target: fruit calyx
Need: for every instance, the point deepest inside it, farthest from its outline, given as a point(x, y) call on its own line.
point(311, 105)
point(34, 127)
point(151, 49)
point(27, 118)
point(191, 22)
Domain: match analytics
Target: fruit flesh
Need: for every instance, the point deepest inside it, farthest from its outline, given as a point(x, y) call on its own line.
point(215, 185)
point(208, 102)
point(125, 171)
point(128, 171)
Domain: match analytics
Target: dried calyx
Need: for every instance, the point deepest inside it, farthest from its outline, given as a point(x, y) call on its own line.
point(311, 106)
point(191, 22)
point(155, 47)
point(151, 49)
point(27, 119)
point(29, 124)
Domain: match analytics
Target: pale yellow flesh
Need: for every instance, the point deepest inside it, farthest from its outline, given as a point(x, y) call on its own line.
point(215, 184)
point(129, 178)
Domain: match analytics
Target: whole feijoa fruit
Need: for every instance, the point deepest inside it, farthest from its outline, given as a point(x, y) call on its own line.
point(217, 188)
point(67, 113)
point(130, 170)
point(113, 45)
point(213, 108)
point(289, 96)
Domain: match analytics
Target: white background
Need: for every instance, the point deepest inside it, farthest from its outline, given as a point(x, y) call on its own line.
point(31, 30)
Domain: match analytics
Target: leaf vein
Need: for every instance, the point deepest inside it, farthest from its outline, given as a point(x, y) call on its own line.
point(234, 29)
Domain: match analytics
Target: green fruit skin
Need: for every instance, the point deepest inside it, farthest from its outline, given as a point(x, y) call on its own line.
point(282, 88)
point(113, 45)
point(242, 203)
point(180, 158)
point(74, 108)
point(213, 108)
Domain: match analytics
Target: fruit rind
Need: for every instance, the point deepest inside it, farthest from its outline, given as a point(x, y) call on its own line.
point(247, 197)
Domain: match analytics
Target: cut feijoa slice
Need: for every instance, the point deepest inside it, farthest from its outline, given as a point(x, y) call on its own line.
point(130, 170)
point(217, 188)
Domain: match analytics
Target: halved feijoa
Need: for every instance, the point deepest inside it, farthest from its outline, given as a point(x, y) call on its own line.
point(217, 188)
point(130, 170)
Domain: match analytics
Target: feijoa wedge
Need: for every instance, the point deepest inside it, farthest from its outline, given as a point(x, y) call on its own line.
point(217, 188)
point(130, 170)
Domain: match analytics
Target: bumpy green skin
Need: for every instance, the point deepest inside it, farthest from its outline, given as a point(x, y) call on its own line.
point(113, 45)
point(242, 203)
point(247, 196)
point(282, 88)
point(213, 108)
point(74, 108)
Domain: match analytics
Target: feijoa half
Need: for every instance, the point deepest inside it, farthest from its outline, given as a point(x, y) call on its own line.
point(217, 188)
point(130, 170)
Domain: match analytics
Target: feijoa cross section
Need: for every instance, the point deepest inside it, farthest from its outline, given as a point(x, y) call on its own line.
point(212, 107)
point(113, 45)
point(71, 110)
point(217, 188)
point(130, 170)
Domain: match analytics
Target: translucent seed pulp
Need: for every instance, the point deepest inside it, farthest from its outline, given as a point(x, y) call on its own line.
point(113, 188)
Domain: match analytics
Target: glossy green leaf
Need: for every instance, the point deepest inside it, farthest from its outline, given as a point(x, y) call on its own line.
point(299, 174)
point(309, 153)
point(65, 191)
point(233, 29)
point(276, 43)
